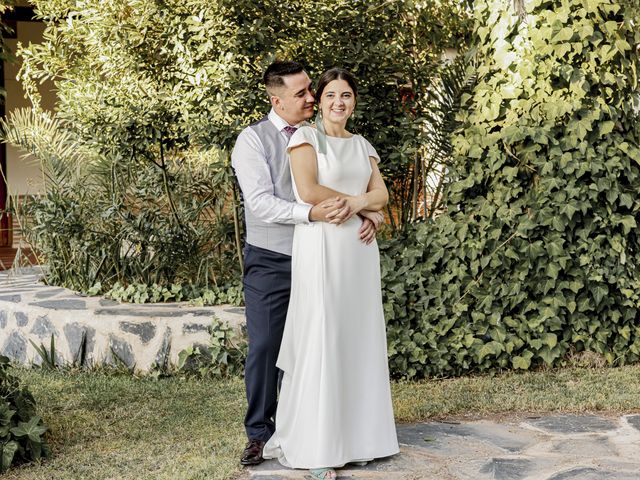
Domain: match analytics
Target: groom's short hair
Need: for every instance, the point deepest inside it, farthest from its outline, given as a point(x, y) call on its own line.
point(275, 73)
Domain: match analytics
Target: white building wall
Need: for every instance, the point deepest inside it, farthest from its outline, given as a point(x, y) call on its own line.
point(23, 174)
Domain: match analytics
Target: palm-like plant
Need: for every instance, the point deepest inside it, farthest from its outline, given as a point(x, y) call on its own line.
point(101, 220)
point(452, 82)
point(430, 123)
point(40, 134)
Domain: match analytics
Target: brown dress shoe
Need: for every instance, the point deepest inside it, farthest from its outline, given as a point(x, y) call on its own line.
point(252, 454)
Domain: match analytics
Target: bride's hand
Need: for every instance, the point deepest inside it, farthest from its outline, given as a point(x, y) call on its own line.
point(354, 206)
point(320, 211)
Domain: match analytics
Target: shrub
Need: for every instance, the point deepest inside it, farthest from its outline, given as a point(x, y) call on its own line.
point(223, 357)
point(539, 251)
point(140, 293)
point(21, 430)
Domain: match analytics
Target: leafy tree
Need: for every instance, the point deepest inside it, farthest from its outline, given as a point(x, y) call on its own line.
point(538, 254)
point(132, 193)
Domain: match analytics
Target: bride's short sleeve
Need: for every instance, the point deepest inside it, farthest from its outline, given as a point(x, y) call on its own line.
point(301, 136)
point(371, 151)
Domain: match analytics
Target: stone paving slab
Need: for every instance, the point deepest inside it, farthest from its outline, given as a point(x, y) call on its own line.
point(567, 424)
point(634, 421)
point(550, 447)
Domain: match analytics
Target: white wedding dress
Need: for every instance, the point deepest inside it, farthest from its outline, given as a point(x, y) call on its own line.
point(335, 401)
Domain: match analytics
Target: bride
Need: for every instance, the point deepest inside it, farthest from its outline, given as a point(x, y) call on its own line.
point(335, 400)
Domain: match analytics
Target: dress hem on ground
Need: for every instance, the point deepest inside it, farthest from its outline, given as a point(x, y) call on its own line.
point(275, 452)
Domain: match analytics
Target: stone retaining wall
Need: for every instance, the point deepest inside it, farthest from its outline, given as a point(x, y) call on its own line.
point(141, 336)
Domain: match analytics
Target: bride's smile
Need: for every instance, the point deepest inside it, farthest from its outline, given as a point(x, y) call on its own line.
point(337, 104)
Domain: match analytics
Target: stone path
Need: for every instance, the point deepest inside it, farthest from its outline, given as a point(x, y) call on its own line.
point(552, 447)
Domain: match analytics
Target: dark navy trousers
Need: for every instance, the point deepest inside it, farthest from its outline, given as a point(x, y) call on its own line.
point(267, 287)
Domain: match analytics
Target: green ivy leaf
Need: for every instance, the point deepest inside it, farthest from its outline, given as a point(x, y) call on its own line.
point(628, 223)
point(522, 362)
point(599, 292)
point(564, 35)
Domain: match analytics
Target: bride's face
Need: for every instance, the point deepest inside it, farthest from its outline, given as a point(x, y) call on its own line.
point(337, 102)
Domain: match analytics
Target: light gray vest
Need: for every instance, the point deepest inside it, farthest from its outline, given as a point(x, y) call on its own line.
point(276, 237)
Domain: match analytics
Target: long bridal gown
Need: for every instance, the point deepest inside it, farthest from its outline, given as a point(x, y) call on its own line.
point(335, 400)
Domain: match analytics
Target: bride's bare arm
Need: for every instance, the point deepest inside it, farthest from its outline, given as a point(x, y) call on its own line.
point(377, 193)
point(304, 166)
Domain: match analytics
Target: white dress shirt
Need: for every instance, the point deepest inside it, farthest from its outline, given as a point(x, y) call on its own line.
point(254, 176)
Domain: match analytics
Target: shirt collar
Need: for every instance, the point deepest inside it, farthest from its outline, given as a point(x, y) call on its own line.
point(280, 122)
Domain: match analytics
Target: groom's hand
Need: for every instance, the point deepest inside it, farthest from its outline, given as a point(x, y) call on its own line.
point(367, 231)
point(319, 212)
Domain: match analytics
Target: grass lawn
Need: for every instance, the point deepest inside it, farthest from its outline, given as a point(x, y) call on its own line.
point(107, 426)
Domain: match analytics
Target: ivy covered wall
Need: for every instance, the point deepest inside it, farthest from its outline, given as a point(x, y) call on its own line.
point(539, 253)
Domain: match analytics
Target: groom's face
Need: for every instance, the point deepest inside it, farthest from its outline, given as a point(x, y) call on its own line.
point(294, 101)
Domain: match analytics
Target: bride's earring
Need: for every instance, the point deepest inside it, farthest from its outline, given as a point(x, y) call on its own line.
point(351, 119)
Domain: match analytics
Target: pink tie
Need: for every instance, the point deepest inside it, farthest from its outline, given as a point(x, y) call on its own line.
point(289, 130)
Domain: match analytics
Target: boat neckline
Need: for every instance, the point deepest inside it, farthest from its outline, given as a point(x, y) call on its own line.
point(340, 138)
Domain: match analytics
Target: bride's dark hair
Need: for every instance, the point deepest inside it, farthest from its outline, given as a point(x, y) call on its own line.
point(335, 74)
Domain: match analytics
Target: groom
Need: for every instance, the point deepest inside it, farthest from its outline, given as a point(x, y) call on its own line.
point(271, 212)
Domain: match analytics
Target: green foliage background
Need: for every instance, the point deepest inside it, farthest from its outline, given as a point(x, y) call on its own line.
point(152, 96)
point(538, 254)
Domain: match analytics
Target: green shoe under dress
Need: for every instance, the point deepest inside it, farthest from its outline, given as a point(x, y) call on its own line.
point(323, 473)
